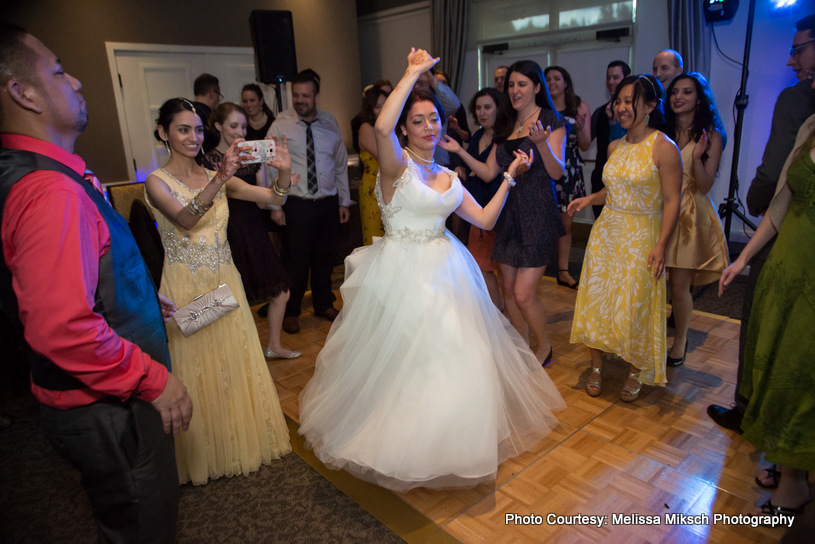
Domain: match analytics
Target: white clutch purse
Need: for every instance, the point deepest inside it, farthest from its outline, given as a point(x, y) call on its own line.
point(205, 309)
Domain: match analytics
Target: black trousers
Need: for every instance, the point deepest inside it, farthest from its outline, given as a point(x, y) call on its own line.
point(127, 464)
point(312, 230)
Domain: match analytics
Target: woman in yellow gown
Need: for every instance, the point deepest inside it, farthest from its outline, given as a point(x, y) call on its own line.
point(238, 424)
point(620, 304)
point(370, 216)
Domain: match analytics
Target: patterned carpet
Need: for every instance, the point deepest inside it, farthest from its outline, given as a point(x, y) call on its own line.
point(41, 499)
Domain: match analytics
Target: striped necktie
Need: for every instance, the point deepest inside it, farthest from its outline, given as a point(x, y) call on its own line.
point(311, 160)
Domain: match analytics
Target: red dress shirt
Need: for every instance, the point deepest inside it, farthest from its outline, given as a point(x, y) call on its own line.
point(53, 236)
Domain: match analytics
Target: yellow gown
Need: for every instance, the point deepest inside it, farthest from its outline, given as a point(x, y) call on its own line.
point(620, 307)
point(698, 243)
point(237, 423)
point(370, 216)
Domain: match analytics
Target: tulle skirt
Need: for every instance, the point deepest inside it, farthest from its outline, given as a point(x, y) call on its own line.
point(422, 382)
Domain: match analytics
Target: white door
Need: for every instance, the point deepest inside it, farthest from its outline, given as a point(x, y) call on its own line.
point(145, 76)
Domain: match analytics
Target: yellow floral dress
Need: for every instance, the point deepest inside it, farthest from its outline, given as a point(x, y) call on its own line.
point(620, 307)
point(237, 422)
point(370, 216)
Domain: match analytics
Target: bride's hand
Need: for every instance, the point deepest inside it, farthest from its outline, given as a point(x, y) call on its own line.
point(420, 60)
point(521, 164)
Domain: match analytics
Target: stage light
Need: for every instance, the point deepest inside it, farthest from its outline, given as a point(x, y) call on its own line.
point(781, 4)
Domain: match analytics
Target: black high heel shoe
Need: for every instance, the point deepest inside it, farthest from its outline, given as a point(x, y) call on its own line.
point(676, 361)
point(563, 283)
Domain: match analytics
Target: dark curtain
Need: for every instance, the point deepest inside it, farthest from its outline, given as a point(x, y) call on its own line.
point(690, 35)
point(448, 39)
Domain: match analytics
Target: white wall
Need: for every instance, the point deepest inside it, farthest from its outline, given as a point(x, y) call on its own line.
point(385, 39)
point(387, 36)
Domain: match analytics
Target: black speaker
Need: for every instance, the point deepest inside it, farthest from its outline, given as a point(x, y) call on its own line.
point(717, 11)
point(273, 39)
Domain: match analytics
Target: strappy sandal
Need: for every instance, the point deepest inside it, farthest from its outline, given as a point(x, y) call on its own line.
point(595, 386)
point(774, 511)
point(773, 474)
point(628, 394)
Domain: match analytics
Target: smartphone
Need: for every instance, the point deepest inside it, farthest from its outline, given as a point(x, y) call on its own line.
point(260, 151)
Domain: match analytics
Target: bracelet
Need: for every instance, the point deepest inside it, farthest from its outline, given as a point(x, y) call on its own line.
point(197, 207)
point(279, 191)
point(509, 179)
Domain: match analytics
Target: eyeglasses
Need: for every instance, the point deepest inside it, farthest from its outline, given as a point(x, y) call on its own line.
point(795, 49)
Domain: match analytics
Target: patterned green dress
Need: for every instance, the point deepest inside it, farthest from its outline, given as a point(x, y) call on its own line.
point(779, 359)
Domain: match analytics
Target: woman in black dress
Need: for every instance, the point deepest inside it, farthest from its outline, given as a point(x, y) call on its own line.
point(258, 115)
point(530, 224)
point(263, 275)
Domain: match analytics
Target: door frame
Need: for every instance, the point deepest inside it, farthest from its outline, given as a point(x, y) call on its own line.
point(115, 48)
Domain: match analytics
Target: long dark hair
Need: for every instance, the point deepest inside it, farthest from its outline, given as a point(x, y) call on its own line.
point(648, 89)
point(168, 111)
point(706, 116)
point(369, 100)
point(507, 116)
point(572, 100)
point(255, 88)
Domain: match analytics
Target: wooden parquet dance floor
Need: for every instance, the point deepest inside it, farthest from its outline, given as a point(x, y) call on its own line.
point(658, 456)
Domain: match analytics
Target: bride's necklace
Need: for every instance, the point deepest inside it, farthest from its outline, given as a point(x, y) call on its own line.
point(521, 126)
point(428, 165)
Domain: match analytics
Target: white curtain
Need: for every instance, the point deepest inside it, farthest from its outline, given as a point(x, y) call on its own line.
point(448, 39)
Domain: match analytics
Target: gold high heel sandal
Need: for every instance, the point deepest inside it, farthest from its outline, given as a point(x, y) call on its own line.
point(595, 386)
point(628, 394)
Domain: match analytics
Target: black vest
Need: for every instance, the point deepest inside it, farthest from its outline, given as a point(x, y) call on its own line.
point(125, 295)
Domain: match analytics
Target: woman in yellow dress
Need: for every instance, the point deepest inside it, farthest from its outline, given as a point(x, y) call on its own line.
point(620, 304)
point(370, 215)
point(697, 251)
point(238, 424)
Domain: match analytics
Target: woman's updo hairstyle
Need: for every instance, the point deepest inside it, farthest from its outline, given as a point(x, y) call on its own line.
point(648, 89)
point(221, 112)
point(168, 111)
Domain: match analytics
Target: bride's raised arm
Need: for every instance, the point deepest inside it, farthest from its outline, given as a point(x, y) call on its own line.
point(391, 159)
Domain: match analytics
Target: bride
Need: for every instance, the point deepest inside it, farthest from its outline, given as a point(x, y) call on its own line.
point(422, 382)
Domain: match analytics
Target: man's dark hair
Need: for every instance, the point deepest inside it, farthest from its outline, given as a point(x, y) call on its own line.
point(204, 83)
point(622, 64)
point(306, 76)
point(16, 58)
point(806, 23)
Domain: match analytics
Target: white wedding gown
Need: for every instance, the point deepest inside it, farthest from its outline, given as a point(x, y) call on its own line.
point(422, 381)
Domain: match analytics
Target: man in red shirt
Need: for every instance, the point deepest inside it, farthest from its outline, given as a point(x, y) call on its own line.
point(71, 277)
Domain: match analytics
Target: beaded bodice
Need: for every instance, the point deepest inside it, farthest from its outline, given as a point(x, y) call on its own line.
point(416, 213)
point(205, 244)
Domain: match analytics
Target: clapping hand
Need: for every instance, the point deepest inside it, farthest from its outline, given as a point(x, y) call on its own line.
point(701, 146)
point(538, 134)
point(450, 144)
